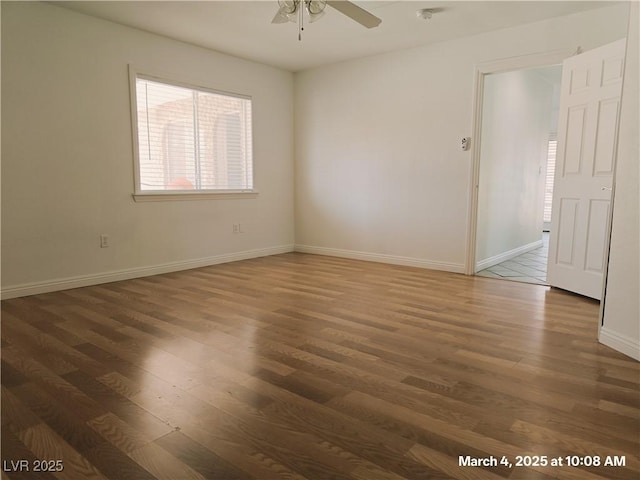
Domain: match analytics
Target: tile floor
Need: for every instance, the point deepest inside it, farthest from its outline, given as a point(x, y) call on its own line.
point(530, 267)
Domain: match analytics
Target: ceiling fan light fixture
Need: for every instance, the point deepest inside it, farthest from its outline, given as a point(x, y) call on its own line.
point(315, 9)
point(288, 6)
point(287, 11)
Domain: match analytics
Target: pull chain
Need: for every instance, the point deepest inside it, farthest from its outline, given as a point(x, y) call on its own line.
point(301, 14)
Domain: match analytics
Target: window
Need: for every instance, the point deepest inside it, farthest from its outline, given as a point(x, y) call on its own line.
point(190, 140)
point(551, 172)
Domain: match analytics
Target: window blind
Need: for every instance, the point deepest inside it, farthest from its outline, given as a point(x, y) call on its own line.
point(192, 139)
point(551, 172)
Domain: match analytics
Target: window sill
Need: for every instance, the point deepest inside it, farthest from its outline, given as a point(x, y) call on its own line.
point(180, 196)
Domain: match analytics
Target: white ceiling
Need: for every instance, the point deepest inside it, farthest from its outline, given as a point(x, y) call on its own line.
point(244, 29)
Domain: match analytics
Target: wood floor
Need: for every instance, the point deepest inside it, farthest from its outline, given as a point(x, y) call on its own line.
point(309, 367)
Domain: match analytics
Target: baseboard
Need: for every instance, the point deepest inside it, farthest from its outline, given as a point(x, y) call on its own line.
point(623, 344)
point(382, 258)
point(115, 276)
point(503, 257)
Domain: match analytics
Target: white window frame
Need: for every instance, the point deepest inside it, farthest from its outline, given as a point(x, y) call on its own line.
point(140, 195)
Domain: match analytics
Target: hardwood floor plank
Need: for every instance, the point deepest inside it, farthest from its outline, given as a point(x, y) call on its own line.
point(58, 417)
point(118, 433)
point(120, 384)
point(111, 401)
point(47, 444)
point(16, 416)
point(245, 457)
point(13, 452)
point(115, 465)
point(57, 355)
point(449, 464)
point(608, 406)
point(84, 407)
point(10, 376)
point(334, 427)
point(162, 465)
point(200, 459)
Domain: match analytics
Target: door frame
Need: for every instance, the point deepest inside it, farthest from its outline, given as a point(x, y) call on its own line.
point(522, 62)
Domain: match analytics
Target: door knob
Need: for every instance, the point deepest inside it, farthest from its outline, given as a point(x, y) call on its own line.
point(606, 188)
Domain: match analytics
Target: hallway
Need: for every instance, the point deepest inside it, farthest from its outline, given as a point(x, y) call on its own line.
point(530, 267)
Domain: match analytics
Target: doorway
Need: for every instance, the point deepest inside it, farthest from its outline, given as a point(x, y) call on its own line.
point(519, 129)
point(483, 72)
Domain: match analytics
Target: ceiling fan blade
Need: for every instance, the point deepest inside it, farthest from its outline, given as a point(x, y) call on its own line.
point(356, 13)
point(280, 18)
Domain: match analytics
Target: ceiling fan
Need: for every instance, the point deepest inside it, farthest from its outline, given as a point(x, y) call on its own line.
point(293, 11)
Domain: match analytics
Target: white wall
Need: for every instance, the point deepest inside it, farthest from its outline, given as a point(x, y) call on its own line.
point(379, 174)
point(516, 122)
point(555, 108)
point(67, 165)
point(621, 328)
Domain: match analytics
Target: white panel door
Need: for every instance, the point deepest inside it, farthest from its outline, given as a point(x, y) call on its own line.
point(587, 134)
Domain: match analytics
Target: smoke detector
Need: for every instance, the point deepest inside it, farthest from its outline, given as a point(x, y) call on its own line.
point(425, 13)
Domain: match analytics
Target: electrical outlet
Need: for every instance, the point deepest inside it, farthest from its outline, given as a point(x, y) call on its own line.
point(104, 241)
point(236, 228)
